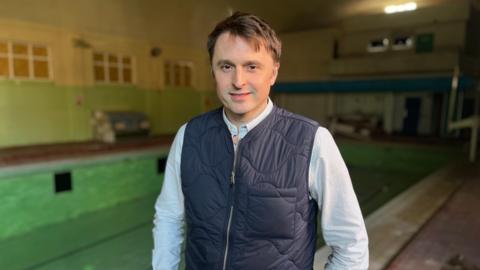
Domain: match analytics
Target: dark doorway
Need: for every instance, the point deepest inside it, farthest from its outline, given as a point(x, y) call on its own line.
point(468, 107)
point(410, 123)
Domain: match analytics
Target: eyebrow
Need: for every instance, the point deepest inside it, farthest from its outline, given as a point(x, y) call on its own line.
point(257, 63)
point(228, 62)
point(223, 62)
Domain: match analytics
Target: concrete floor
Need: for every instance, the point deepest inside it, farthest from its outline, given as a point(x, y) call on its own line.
point(451, 238)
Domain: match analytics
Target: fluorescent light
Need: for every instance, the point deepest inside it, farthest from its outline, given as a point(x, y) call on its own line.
point(401, 8)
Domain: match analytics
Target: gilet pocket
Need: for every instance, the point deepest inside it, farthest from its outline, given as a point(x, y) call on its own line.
point(271, 212)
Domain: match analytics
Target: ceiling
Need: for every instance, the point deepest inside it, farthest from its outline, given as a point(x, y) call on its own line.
point(199, 17)
point(294, 15)
point(187, 22)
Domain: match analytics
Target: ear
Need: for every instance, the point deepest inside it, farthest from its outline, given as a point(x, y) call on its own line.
point(276, 67)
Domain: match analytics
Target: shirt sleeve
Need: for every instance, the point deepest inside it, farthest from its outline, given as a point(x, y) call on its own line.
point(169, 212)
point(342, 223)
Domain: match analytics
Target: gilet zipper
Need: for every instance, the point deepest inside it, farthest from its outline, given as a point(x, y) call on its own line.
point(232, 186)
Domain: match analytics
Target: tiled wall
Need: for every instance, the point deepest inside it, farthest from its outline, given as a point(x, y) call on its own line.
point(28, 201)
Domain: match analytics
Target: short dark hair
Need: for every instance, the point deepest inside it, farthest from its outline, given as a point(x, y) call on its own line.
point(250, 27)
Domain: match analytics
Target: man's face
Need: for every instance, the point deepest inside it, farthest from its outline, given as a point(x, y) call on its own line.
point(243, 77)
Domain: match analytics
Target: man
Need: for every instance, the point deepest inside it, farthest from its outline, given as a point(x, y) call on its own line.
point(248, 178)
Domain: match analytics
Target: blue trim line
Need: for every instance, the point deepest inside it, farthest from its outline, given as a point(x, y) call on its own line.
point(430, 84)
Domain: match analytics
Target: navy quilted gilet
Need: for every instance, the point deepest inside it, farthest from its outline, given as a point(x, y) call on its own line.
point(261, 216)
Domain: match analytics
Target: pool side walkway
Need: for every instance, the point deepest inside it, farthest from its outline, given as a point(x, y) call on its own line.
point(438, 211)
point(32, 154)
point(451, 238)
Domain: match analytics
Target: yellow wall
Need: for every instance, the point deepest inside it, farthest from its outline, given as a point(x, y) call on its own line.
point(38, 112)
point(306, 55)
point(73, 65)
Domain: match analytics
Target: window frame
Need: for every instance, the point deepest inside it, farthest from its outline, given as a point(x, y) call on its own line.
point(30, 57)
point(121, 67)
point(169, 67)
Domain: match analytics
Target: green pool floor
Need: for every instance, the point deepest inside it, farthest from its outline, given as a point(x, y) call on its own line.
point(116, 238)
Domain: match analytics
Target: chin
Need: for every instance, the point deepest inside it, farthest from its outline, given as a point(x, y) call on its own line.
point(238, 111)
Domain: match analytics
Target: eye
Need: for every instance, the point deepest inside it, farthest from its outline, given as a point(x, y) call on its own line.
point(252, 67)
point(226, 67)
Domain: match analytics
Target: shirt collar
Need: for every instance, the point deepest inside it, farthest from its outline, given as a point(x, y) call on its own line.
point(245, 128)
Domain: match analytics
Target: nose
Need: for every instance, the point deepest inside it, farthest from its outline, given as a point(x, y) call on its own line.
point(238, 79)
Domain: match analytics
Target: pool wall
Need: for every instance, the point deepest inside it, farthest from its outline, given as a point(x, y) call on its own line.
point(28, 199)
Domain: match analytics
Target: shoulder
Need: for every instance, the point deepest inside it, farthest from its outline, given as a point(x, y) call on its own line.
point(324, 143)
point(203, 123)
point(206, 115)
point(206, 119)
point(295, 118)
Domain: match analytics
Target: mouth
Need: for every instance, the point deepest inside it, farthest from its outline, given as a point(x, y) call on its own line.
point(239, 97)
point(239, 94)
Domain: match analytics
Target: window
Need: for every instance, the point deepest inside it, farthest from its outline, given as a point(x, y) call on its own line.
point(112, 68)
point(167, 70)
point(178, 73)
point(20, 60)
point(402, 43)
point(378, 45)
point(4, 62)
point(395, 42)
